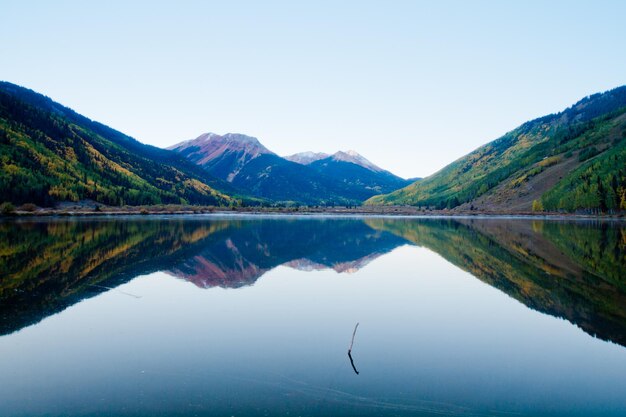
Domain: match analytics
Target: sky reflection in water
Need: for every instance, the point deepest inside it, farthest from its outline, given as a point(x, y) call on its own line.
point(220, 316)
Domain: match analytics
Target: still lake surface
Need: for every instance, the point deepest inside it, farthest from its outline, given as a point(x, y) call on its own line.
point(252, 316)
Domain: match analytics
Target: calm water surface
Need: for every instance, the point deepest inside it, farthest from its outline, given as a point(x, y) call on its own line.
point(253, 316)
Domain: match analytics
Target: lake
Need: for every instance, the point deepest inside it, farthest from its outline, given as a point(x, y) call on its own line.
point(216, 315)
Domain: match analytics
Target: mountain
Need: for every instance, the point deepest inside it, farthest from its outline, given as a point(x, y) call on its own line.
point(224, 156)
point(309, 178)
point(49, 154)
point(574, 160)
point(362, 177)
point(246, 164)
point(305, 158)
point(274, 178)
point(353, 157)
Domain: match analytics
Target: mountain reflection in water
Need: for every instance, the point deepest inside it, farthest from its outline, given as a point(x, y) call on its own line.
point(569, 269)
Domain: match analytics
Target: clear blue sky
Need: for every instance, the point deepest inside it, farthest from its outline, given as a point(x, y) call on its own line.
point(411, 85)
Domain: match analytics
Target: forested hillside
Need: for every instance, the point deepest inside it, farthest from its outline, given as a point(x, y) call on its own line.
point(570, 161)
point(49, 154)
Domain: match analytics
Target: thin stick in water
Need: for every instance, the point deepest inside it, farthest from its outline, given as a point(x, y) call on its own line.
point(350, 349)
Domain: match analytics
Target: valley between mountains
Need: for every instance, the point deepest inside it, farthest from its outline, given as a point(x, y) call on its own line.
point(570, 161)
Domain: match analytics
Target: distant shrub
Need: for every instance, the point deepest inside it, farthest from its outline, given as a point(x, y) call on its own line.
point(587, 153)
point(30, 207)
point(7, 208)
point(537, 205)
point(519, 181)
point(548, 162)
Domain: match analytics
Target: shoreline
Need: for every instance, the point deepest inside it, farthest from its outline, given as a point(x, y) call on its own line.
point(386, 211)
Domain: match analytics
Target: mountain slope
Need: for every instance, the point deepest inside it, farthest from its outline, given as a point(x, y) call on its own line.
point(585, 173)
point(364, 180)
point(224, 156)
point(248, 165)
point(49, 153)
point(599, 183)
point(525, 164)
point(272, 177)
point(315, 178)
point(355, 158)
point(305, 158)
